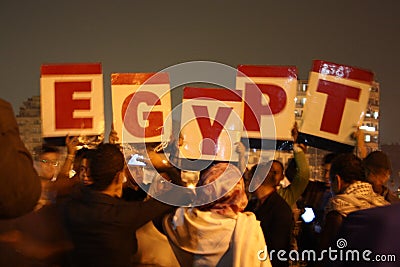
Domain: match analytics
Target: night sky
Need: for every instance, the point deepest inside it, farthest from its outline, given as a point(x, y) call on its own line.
point(148, 36)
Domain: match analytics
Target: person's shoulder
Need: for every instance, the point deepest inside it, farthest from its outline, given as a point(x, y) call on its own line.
point(279, 203)
point(83, 195)
point(334, 217)
point(382, 212)
point(4, 103)
point(6, 109)
point(7, 118)
point(390, 196)
point(275, 203)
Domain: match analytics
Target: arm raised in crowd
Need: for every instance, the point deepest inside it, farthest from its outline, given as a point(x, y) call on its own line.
point(64, 184)
point(361, 149)
point(71, 143)
point(20, 185)
point(300, 181)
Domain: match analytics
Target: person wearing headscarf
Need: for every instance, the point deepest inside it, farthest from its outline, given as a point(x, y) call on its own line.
point(217, 233)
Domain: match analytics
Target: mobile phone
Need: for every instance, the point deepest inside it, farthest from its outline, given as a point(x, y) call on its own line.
point(308, 215)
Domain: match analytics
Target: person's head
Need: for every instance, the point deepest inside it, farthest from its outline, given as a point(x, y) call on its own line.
point(272, 169)
point(49, 161)
point(377, 168)
point(345, 169)
point(83, 170)
point(326, 166)
point(106, 168)
point(223, 177)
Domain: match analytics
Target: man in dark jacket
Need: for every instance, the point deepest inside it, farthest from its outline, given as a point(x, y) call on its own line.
point(101, 224)
point(272, 211)
point(375, 230)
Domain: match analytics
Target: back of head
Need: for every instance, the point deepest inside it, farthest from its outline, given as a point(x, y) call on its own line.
point(105, 162)
point(349, 167)
point(377, 162)
point(228, 182)
point(328, 158)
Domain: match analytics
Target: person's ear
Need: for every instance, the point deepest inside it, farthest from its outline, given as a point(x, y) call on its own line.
point(118, 178)
point(339, 182)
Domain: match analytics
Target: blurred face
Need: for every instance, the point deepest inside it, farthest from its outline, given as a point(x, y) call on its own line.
point(379, 178)
point(49, 165)
point(84, 172)
point(275, 174)
point(335, 184)
point(325, 172)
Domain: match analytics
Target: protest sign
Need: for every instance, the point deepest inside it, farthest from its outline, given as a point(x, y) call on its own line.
point(211, 123)
point(337, 97)
point(141, 103)
point(269, 93)
point(71, 98)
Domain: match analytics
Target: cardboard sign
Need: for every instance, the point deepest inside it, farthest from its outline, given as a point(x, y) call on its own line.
point(71, 98)
point(141, 104)
point(211, 123)
point(269, 93)
point(337, 97)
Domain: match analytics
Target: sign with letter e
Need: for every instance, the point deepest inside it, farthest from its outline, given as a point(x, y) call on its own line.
point(269, 93)
point(337, 97)
point(141, 105)
point(71, 98)
point(211, 123)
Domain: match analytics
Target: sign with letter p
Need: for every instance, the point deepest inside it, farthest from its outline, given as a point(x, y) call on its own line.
point(269, 93)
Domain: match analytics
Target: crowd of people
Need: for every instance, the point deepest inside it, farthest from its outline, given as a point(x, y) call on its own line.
point(90, 208)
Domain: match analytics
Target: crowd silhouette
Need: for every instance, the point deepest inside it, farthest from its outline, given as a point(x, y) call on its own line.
point(89, 207)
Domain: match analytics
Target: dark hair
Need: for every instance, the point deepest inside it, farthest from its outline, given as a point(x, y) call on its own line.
point(376, 162)
point(83, 153)
point(327, 159)
point(43, 149)
point(349, 167)
point(105, 162)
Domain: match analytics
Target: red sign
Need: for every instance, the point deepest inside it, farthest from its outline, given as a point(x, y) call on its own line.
point(72, 99)
point(269, 93)
point(336, 100)
point(211, 123)
point(141, 104)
